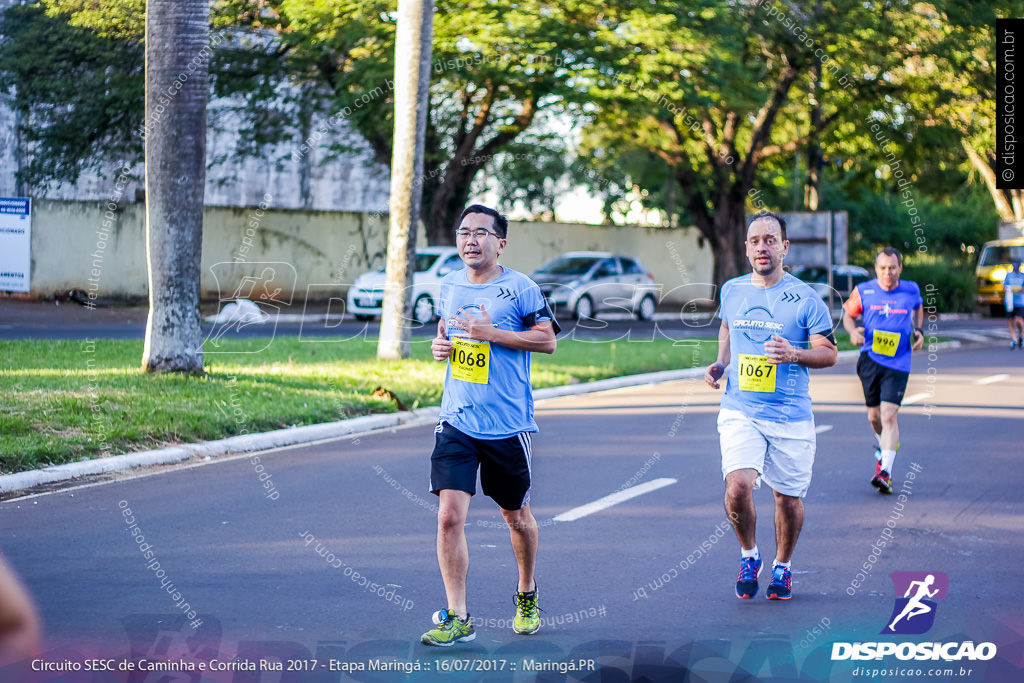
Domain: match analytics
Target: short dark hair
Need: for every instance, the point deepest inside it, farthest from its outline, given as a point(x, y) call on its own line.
point(500, 222)
point(890, 251)
point(774, 216)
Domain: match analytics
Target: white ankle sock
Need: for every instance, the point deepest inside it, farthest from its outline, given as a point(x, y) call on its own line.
point(888, 458)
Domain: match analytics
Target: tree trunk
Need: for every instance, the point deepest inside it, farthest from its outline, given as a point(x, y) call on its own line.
point(727, 243)
point(177, 57)
point(451, 189)
point(447, 201)
point(1008, 202)
point(815, 158)
point(725, 229)
point(413, 47)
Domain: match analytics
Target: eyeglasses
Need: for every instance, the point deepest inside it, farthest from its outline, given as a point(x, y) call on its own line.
point(479, 233)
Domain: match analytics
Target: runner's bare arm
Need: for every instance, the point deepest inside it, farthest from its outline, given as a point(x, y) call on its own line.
point(441, 347)
point(20, 630)
point(856, 333)
point(918, 331)
point(539, 338)
point(717, 369)
point(822, 354)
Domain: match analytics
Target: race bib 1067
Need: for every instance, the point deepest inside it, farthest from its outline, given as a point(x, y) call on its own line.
point(756, 374)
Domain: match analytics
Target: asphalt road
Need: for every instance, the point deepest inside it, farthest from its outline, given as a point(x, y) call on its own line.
point(643, 590)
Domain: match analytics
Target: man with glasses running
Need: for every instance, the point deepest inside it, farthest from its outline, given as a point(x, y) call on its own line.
point(491, 319)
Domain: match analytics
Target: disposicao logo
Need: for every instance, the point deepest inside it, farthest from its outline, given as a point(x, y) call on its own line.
point(913, 614)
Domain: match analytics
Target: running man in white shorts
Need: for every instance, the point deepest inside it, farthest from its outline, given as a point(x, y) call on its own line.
point(774, 327)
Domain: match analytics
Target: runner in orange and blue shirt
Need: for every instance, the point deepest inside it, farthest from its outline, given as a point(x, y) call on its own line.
point(892, 313)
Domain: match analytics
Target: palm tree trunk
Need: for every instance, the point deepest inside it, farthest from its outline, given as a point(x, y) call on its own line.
point(177, 54)
point(413, 47)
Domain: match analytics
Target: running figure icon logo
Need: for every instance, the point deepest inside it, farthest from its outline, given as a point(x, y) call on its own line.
point(914, 612)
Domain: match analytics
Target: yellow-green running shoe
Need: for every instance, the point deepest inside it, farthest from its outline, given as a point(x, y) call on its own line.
point(449, 630)
point(527, 619)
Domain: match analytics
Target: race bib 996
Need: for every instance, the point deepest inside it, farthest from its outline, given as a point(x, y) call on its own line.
point(885, 343)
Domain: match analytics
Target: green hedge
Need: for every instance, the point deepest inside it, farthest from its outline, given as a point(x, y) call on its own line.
point(954, 287)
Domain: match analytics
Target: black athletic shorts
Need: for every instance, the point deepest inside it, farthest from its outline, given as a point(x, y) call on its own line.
point(1015, 313)
point(504, 465)
point(880, 383)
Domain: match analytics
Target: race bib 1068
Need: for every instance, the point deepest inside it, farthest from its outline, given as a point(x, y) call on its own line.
point(471, 360)
point(756, 374)
point(885, 343)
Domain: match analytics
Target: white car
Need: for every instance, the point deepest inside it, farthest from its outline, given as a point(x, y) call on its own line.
point(366, 295)
point(587, 282)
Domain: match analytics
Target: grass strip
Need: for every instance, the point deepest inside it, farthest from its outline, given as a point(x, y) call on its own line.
point(74, 400)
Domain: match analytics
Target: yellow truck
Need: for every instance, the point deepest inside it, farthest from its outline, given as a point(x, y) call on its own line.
point(994, 263)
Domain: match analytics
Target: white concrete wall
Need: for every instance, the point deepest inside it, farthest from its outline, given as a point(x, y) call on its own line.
point(85, 245)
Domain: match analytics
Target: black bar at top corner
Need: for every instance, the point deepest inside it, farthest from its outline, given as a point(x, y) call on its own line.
point(1010, 104)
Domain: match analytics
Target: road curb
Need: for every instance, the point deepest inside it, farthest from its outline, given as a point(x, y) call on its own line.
point(252, 443)
point(246, 443)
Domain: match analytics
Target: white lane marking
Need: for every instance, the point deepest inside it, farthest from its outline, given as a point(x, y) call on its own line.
point(821, 429)
point(914, 398)
point(972, 336)
point(992, 379)
point(614, 499)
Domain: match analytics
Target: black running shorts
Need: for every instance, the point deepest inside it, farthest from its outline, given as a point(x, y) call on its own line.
point(880, 383)
point(504, 465)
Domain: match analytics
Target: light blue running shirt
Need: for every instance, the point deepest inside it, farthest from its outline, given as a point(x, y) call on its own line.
point(791, 310)
point(1015, 283)
point(500, 403)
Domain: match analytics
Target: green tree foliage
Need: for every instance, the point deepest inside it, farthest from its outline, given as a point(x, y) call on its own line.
point(294, 63)
point(496, 67)
point(721, 93)
point(79, 90)
point(687, 106)
point(948, 88)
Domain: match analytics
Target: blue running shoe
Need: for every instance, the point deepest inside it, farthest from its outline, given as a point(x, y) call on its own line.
point(781, 587)
point(746, 582)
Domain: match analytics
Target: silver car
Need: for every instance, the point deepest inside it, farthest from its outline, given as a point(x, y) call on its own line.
point(589, 282)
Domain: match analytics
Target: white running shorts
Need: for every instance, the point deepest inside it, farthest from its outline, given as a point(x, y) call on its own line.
point(782, 453)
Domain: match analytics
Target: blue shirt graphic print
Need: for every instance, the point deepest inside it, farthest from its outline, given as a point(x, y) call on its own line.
point(791, 310)
point(504, 405)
